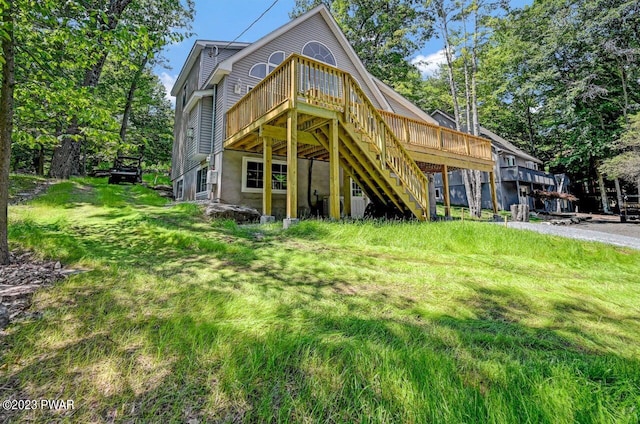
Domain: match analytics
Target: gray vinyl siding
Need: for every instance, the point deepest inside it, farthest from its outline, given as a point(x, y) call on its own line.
point(210, 58)
point(219, 118)
point(208, 61)
point(179, 147)
point(205, 142)
point(313, 29)
point(400, 109)
point(192, 143)
point(193, 79)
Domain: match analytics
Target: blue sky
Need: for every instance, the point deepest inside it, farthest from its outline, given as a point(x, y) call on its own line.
point(225, 20)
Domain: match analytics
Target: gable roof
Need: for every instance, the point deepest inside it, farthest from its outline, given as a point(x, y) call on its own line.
point(225, 66)
point(496, 140)
point(197, 47)
point(391, 93)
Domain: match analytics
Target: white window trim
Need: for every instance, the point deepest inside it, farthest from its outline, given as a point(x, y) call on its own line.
point(266, 69)
point(438, 193)
point(180, 180)
point(325, 46)
point(246, 189)
point(284, 57)
point(204, 168)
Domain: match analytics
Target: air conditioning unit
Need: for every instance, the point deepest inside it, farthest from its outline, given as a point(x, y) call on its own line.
point(212, 177)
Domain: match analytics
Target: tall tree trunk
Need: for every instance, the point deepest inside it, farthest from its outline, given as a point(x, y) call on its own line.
point(66, 157)
point(618, 193)
point(6, 125)
point(130, 96)
point(476, 176)
point(449, 57)
point(530, 128)
point(603, 192)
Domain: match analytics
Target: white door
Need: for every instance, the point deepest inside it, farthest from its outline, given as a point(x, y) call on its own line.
point(358, 201)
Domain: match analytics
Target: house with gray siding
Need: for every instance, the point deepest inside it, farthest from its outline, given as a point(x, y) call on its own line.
point(518, 174)
point(234, 114)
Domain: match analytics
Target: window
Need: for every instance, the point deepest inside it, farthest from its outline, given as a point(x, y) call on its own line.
point(201, 180)
point(319, 51)
point(356, 191)
point(184, 95)
point(253, 176)
point(275, 59)
point(510, 160)
point(438, 194)
point(250, 87)
point(261, 70)
point(179, 189)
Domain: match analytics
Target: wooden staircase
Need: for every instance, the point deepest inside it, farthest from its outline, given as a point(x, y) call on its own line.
point(330, 108)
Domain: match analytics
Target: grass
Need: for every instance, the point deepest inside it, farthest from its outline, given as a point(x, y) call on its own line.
point(179, 318)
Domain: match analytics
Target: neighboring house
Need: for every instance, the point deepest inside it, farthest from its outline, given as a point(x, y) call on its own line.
point(518, 175)
point(301, 102)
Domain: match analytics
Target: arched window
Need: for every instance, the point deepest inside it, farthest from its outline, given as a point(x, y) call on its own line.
point(261, 70)
point(275, 59)
point(318, 51)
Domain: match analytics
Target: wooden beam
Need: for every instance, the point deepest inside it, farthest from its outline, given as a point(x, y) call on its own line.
point(356, 166)
point(334, 170)
point(317, 111)
point(292, 164)
point(280, 133)
point(445, 183)
point(367, 160)
point(346, 194)
point(255, 125)
point(267, 184)
point(423, 154)
point(494, 197)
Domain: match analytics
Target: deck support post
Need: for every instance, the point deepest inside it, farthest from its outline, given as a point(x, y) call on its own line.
point(445, 188)
point(346, 194)
point(334, 170)
point(267, 157)
point(292, 165)
point(494, 197)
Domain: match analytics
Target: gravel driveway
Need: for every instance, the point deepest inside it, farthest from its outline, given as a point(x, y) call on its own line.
point(627, 235)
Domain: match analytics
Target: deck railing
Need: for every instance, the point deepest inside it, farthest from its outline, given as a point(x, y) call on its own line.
point(375, 130)
point(300, 79)
point(418, 133)
point(323, 85)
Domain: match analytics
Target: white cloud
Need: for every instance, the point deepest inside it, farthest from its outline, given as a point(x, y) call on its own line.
point(428, 65)
point(168, 81)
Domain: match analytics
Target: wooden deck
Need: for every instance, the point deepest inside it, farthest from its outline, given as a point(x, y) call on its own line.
point(308, 109)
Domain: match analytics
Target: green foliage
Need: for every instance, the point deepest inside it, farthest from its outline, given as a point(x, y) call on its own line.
point(177, 318)
point(60, 50)
point(626, 165)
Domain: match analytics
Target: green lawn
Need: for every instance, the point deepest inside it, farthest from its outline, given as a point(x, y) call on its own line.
point(450, 322)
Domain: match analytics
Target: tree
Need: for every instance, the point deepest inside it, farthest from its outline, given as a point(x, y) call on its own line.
point(6, 119)
point(626, 165)
point(125, 31)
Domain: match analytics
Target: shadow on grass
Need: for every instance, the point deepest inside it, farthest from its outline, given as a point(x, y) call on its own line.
point(271, 337)
point(316, 364)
